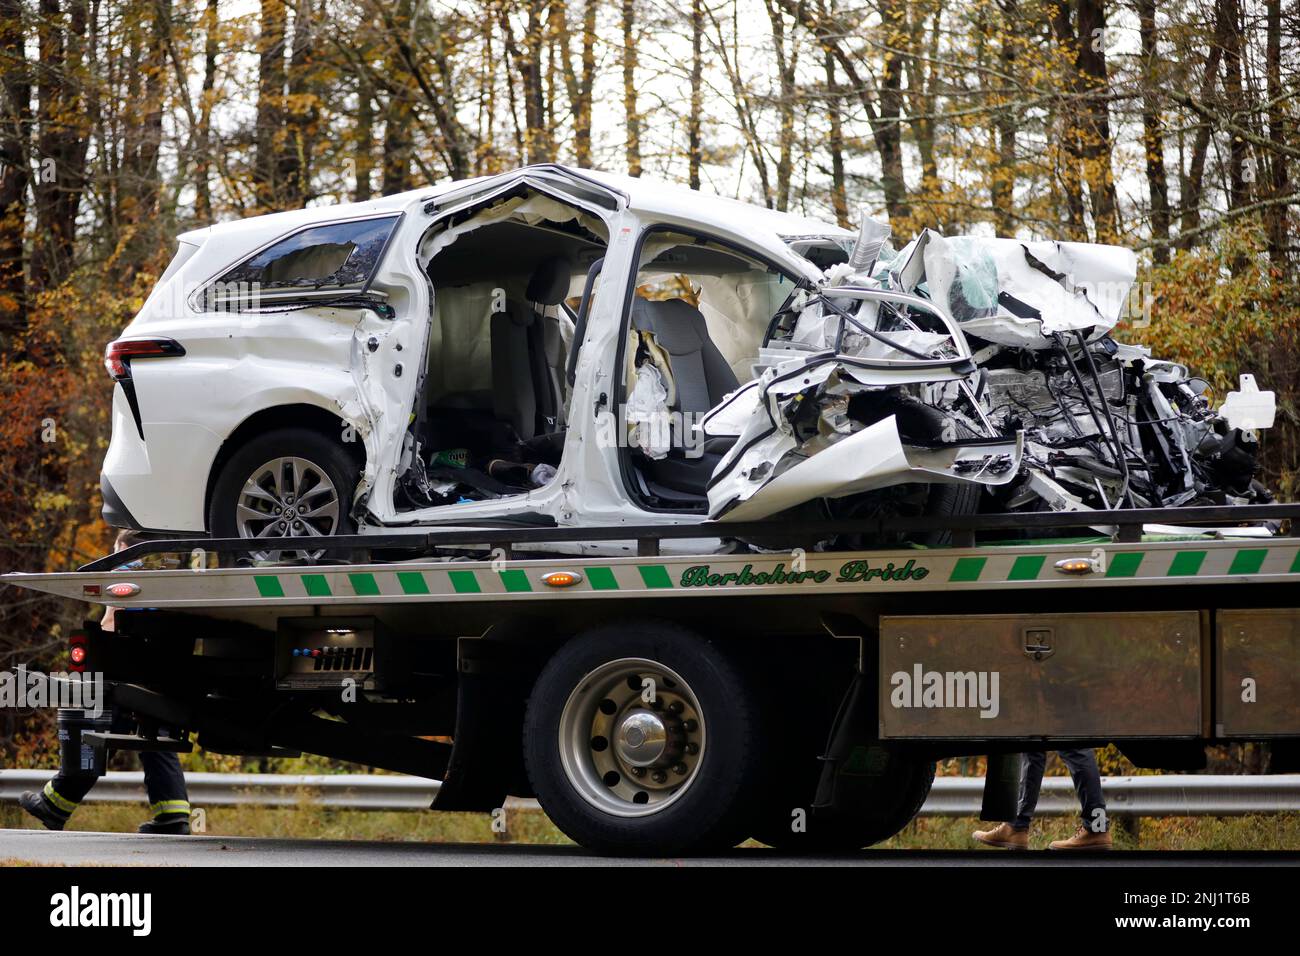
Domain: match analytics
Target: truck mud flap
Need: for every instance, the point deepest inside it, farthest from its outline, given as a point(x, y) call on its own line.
point(486, 763)
point(857, 770)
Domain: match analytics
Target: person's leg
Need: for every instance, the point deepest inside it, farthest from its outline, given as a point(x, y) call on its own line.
point(169, 801)
point(1031, 782)
point(1014, 834)
point(62, 794)
point(1087, 784)
point(1094, 834)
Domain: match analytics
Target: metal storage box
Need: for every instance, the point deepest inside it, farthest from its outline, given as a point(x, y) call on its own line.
point(1258, 673)
point(1115, 675)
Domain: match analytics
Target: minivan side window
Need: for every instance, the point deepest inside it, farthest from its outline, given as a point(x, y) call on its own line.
point(327, 259)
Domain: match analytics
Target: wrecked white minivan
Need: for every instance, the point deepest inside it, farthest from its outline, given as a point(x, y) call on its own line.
point(557, 347)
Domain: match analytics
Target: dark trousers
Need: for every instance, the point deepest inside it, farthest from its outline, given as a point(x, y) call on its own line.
point(1087, 784)
point(163, 781)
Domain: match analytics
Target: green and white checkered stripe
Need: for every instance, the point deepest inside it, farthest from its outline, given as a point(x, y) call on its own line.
point(988, 568)
point(1142, 563)
point(468, 580)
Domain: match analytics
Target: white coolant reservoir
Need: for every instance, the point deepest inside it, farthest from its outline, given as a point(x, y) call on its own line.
point(1249, 408)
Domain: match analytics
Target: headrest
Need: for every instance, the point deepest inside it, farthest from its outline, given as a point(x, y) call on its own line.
point(550, 282)
point(677, 325)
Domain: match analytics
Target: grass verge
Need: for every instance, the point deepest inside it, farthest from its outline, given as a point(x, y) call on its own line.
point(308, 821)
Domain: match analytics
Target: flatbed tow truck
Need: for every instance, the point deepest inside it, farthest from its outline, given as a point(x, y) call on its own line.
point(667, 703)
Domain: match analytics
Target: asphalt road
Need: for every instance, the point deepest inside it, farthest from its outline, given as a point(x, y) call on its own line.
point(129, 849)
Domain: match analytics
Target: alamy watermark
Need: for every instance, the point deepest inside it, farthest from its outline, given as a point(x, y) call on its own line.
point(920, 688)
point(21, 689)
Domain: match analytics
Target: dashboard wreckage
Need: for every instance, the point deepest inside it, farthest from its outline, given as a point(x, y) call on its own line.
point(984, 363)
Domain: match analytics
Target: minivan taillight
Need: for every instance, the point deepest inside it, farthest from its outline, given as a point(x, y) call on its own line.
point(118, 355)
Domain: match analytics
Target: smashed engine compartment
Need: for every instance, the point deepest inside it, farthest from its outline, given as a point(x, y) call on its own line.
point(986, 364)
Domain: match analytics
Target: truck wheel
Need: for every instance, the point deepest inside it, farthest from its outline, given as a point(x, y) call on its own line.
point(291, 481)
point(872, 808)
point(641, 739)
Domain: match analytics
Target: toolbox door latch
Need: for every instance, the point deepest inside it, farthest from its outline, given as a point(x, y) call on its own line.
point(1039, 642)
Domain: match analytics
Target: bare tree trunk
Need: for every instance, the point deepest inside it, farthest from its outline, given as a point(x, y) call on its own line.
point(1238, 190)
point(839, 196)
point(271, 78)
point(399, 115)
point(578, 85)
point(143, 140)
point(911, 38)
point(1096, 148)
point(538, 147)
point(786, 63)
point(1192, 181)
point(1153, 133)
point(302, 114)
point(203, 135)
point(62, 140)
point(889, 135)
point(1069, 126)
point(442, 103)
point(695, 120)
point(1277, 215)
point(1235, 96)
point(1005, 126)
point(633, 148)
point(363, 156)
point(15, 127)
point(588, 82)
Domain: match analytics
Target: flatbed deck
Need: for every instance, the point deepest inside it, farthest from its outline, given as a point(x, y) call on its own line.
point(1074, 565)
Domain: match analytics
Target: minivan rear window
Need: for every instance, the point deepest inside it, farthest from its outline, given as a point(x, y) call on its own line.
point(336, 257)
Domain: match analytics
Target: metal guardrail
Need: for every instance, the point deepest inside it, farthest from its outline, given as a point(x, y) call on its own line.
point(1155, 796)
point(1171, 795)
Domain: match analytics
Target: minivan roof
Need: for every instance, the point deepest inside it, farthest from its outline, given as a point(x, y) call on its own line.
point(644, 195)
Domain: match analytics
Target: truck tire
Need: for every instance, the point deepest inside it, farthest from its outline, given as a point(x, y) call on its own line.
point(286, 481)
point(641, 739)
point(876, 809)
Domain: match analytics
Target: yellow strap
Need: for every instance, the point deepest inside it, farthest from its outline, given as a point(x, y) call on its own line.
point(52, 795)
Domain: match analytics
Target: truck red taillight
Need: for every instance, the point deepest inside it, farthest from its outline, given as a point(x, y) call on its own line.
point(118, 354)
point(78, 650)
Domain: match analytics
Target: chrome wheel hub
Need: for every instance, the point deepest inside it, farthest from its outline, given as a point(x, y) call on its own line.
point(641, 739)
point(632, 737)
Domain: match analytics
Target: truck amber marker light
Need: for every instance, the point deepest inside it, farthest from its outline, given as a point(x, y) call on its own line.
point(123, 590)
point(1075, 566)
point(561, 579)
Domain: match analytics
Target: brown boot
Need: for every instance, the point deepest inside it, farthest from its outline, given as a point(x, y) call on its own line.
point(1083, 839)
point(1003, 835)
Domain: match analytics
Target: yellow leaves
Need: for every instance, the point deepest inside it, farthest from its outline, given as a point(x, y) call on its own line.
point(46, 500)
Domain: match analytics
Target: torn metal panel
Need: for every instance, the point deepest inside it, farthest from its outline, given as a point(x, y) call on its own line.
point(874, 457)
